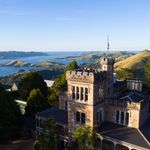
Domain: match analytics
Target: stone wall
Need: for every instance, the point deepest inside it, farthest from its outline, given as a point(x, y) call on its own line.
point(133, 109)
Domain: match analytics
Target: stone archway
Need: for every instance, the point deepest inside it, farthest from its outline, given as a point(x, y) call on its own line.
point(121, 147)
point(108, 145)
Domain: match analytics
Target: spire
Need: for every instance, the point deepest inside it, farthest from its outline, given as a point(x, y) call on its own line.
point(107, 44)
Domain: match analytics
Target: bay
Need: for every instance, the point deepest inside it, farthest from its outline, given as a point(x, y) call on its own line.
point(52, 56)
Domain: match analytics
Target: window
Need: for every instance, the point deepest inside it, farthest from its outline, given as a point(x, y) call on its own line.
point(99, 116)
point(127, 118)
point(122, 117)
point(86, 94)
point(73, 92)
point(80, 117)
point(117, 116)
point(77, 117)
point(66, 105)
point(82, 93)
point(77, 92)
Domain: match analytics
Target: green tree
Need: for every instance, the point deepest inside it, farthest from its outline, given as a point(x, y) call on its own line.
point(36, 102)
point(47, 140)
point(10, 116)
point(147, 73)
point(85, 137)
point(60, 84)
point(125, 73)
point(30, 81)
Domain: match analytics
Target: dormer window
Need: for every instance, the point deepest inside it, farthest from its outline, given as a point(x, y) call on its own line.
point(122, 117)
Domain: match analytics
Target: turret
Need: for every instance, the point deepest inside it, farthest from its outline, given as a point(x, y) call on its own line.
point(107, 64)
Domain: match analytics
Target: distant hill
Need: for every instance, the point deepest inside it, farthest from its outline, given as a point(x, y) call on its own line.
point(95, 56)
point(17, 63)
point(136, 63)
point(46, 64)
point(15, 54)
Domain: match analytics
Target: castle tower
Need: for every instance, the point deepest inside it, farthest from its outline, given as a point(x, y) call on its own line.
point(107, 64)
point(85, 98)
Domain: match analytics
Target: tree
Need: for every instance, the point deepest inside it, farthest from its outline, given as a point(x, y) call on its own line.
point(60, 83)
point(85, 137)
point(10, 116)
point(47, 140)
point(30, 81)
point(36, 102)
point(147, 73)
point(125, 73)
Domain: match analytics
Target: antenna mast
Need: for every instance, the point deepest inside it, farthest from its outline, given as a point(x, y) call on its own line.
point(107, 45)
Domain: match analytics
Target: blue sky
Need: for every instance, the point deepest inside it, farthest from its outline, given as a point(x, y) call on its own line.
point(45, 25)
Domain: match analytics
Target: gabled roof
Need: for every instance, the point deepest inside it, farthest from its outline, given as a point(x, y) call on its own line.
point(61, 116)
point(132, 97)
point(123, 133)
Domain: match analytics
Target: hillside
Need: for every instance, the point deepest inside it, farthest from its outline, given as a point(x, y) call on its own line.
point(135, 62)
point(95, 56)
point(16, 63)
point(17, 54)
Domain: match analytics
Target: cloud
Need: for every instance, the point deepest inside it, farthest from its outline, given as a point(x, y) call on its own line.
point(14, 13)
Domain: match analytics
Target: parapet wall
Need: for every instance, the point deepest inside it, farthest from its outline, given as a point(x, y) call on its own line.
point(85, 76)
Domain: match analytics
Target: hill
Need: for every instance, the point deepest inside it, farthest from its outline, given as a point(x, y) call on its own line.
point(16, 63)
point(17, 54)
point(93, 57)
point(135, 63)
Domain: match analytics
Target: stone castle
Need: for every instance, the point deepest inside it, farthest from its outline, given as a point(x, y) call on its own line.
point(120, 109)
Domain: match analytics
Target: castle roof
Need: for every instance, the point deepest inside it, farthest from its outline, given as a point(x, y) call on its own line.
point(125, 134)
point(61, 116)
point(132, 96)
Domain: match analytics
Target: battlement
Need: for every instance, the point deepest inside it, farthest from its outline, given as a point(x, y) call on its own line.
point(107, 60)
point(85, 75)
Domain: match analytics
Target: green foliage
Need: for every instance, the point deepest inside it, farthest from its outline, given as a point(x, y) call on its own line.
point(60, 83)
point(30, 81)
point(125, 73)
point(85, 137)
point(1, 88)
point(47, 140)
point(147, 73)
point(36, 102)
point(10, 116)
